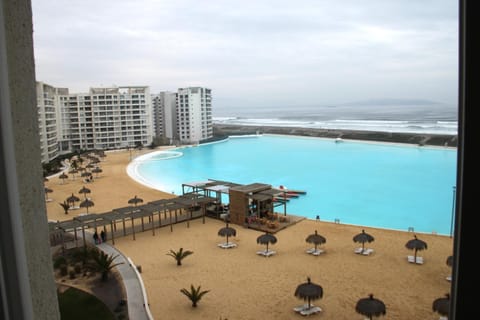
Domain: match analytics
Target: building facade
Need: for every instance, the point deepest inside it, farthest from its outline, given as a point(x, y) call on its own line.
point(164, 116)
point(103, 118)
point(194, 114)
point(47, 107)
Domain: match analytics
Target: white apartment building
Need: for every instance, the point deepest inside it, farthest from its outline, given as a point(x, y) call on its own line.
point(103, 118)
point(110, 118)
point(47, 121)
point(194, 114)
point(164, 115)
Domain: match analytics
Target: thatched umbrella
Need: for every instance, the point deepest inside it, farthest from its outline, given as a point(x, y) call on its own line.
point(87, 203)
point(362, 238)
point(63, 177)
point(449, 261)
point(442, 305)
point(227, 232)
point(416, 245)
point(73, 172)
point(316, 239)
point(86, 174)
point(97, 170)
point(135, 200)
point(47, 191)
point(371, 307)
point(72, 199)
point(309, 291)
point(267, 238)
point(84, 190)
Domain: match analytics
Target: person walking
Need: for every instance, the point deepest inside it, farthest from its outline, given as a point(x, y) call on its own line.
point(95, 237)
point(103, 236)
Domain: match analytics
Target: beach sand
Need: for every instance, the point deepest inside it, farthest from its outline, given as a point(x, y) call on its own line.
point(244, 285)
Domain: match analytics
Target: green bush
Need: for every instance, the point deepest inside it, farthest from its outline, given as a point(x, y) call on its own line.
point(77, 267)
point(63, 270)
point(59, 261)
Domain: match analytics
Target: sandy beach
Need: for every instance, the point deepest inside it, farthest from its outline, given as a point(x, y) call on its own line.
point(244, 285)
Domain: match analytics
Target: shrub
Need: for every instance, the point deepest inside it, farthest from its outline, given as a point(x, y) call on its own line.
point(59, 261)
point(63, 270)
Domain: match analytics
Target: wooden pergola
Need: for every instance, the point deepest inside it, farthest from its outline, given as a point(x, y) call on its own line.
point(185, 203)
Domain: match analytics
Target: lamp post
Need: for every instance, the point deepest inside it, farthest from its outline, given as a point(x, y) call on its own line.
point(453, 210)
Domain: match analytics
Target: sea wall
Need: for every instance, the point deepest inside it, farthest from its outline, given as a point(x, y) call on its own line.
point(394, 137)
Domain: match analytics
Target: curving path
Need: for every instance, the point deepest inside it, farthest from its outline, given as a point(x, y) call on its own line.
point(132, 282)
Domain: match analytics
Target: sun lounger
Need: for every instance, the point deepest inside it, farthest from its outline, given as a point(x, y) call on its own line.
point(227, 245)
point(358, 250)
point(266, 253)
point(367, 252)
point(312, 310)
point(411, 259)
point(318, 252)
point(302, 307)
point(311, 250)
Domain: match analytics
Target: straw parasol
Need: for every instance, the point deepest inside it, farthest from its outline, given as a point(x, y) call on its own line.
point(84, 190)
point(227, 232)
point(63, 177)
point(72, 199)
point(73, 172)
point(47, 191)
point(97, 170)
point(316, 239)
point(266, 239)
point(442, 305)
point(87, 203)
point(309, 291)
point(362, 238)
point(416, 244)
point(371, 307)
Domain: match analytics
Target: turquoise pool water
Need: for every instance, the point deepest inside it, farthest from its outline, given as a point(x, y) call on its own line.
point(373, 184)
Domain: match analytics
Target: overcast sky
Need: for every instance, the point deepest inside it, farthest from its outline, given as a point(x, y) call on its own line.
point(253, 53)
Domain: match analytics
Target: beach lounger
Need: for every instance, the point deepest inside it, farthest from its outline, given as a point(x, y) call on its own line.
point(318, 252)
point(311, 250)
point(312, 310)
point(411, 259)
point(227, 245)
point(302, 307)
point(266, 253)
point(367, 252)
point(358, 250)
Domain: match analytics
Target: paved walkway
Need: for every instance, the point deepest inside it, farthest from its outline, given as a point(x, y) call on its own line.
point(131, 281)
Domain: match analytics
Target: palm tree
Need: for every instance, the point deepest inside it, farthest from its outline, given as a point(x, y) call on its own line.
point(65, 206)
point(179, 255)
point(103, 263)
point(194, 294)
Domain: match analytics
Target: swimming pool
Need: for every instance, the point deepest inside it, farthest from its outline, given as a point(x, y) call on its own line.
point(373, 184)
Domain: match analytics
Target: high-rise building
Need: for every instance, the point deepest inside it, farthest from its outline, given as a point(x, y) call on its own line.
point(194, 114)
point(103, 118)
point(164, 115)
point(110, 118)
point(47, 107)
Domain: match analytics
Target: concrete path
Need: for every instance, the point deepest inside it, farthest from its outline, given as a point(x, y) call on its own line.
point(132, 282)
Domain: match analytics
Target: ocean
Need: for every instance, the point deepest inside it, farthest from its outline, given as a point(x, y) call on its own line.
point(409, 116)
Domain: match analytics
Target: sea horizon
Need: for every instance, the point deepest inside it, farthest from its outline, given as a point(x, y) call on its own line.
point(402, 116)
